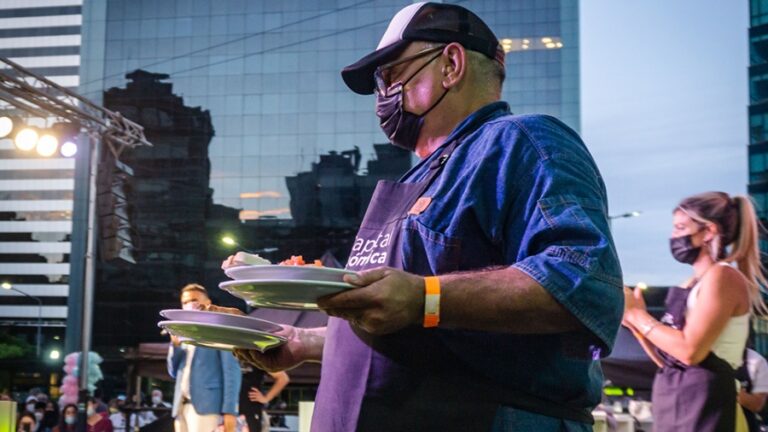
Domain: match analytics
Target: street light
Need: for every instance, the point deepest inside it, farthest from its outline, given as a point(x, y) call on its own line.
point(642, 286)
point(631, 214)
point(54, 354)
point(7, 286)
point(230, 241)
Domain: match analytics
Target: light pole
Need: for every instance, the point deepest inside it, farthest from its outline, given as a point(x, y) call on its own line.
point(9, 287)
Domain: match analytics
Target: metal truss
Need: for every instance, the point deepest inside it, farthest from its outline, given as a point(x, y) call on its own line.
point(41, 97)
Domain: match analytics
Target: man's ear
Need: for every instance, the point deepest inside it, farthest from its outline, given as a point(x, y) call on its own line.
point(454, 65)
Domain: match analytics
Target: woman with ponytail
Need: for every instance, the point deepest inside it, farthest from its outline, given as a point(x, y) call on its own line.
point(700, 341)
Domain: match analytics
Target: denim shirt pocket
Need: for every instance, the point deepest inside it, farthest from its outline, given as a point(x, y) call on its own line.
point(580, 224)
point(429, 252)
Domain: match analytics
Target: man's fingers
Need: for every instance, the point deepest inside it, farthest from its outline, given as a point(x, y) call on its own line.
point(367, 277)
point(360, 298)
point(221, 309)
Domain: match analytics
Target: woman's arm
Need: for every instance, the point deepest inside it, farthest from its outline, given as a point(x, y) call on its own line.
point(723, 292)
point(647, 347)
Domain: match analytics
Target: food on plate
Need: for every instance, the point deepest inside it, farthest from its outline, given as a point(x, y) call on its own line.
point(251, 259)
point(298, 260)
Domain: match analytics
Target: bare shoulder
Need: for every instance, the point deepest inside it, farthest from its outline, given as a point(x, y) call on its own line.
point(726, 281)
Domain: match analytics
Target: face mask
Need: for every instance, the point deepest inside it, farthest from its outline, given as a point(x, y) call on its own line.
point(38, 416)
point(70, 419)
point(31, 407)
point(156, 400)
point(401, 127)
point(90, 411)
point(190, 306)
point(683, 250)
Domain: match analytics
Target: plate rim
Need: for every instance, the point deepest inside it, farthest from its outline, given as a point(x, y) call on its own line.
point(283, 339)
point(285, 281)
point(221, 314)
point(332, 270)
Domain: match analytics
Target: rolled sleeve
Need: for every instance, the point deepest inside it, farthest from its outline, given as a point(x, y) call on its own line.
point(562, 219)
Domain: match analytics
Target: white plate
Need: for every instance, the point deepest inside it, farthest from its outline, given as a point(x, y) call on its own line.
point(283, 294)
point(220, 318)
point(221, 337)
point(286, 272)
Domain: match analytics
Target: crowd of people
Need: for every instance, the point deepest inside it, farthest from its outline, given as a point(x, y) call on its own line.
point(39, 413)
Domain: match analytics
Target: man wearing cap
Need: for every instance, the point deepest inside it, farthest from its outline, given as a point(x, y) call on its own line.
point(489, 285)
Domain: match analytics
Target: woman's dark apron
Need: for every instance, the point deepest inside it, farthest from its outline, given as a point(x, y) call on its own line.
point(700, 398)
point(381, 383)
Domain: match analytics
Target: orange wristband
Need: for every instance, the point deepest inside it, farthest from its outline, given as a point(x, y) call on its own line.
point(431, 301)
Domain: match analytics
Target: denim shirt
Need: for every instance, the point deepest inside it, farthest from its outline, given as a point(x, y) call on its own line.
point(523, 191)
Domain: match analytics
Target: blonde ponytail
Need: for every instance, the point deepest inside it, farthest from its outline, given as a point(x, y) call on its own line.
point(745, 251)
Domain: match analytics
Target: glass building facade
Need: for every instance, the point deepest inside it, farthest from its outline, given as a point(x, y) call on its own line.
point(758, 133)
point(36, 193)
point(268, 72)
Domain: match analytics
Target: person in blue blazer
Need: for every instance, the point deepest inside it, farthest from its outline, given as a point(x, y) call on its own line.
point(207, 380)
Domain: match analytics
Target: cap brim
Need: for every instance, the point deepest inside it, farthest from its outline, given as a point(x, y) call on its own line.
point(359, 75)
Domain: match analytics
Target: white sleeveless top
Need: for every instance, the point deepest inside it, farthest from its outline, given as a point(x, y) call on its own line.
point(733, 339)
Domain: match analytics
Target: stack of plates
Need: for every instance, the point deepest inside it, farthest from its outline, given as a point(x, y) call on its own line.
point(273, 286)
point(284, 287)
point(221, 330)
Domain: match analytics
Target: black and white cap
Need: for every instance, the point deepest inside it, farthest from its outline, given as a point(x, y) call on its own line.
point(428, 22)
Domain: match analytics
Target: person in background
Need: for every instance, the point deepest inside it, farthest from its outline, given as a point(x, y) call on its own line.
point(26, 422)
point(753, 376)
point(252, 400)
point(98, 417)
point(116, 416)
point(207, 380)
point(39, 416)
point(67, 420)
point(157, 400)
point(29, 404)
point(700, 340)
point(51, 417)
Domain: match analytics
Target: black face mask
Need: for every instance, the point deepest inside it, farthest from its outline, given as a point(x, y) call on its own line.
point(683, 250)
point(401, 127)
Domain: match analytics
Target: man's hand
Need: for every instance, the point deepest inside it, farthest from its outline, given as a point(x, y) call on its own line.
point(255, 395)
point(302, 345)
point(387, 300)
point(220, 309)
point(230, 422)
point(175, 341)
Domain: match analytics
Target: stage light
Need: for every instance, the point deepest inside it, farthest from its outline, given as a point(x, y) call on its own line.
point(47, 145)
point(68, 149)
point(26, 139)
point(6, 126)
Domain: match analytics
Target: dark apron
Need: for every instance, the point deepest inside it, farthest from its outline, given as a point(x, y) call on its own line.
point(742, 374)
point(382, 383)
point(699, 398)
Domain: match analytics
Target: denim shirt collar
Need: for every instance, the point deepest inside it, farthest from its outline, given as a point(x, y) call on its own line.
point(478, 118)
point(465, 127)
